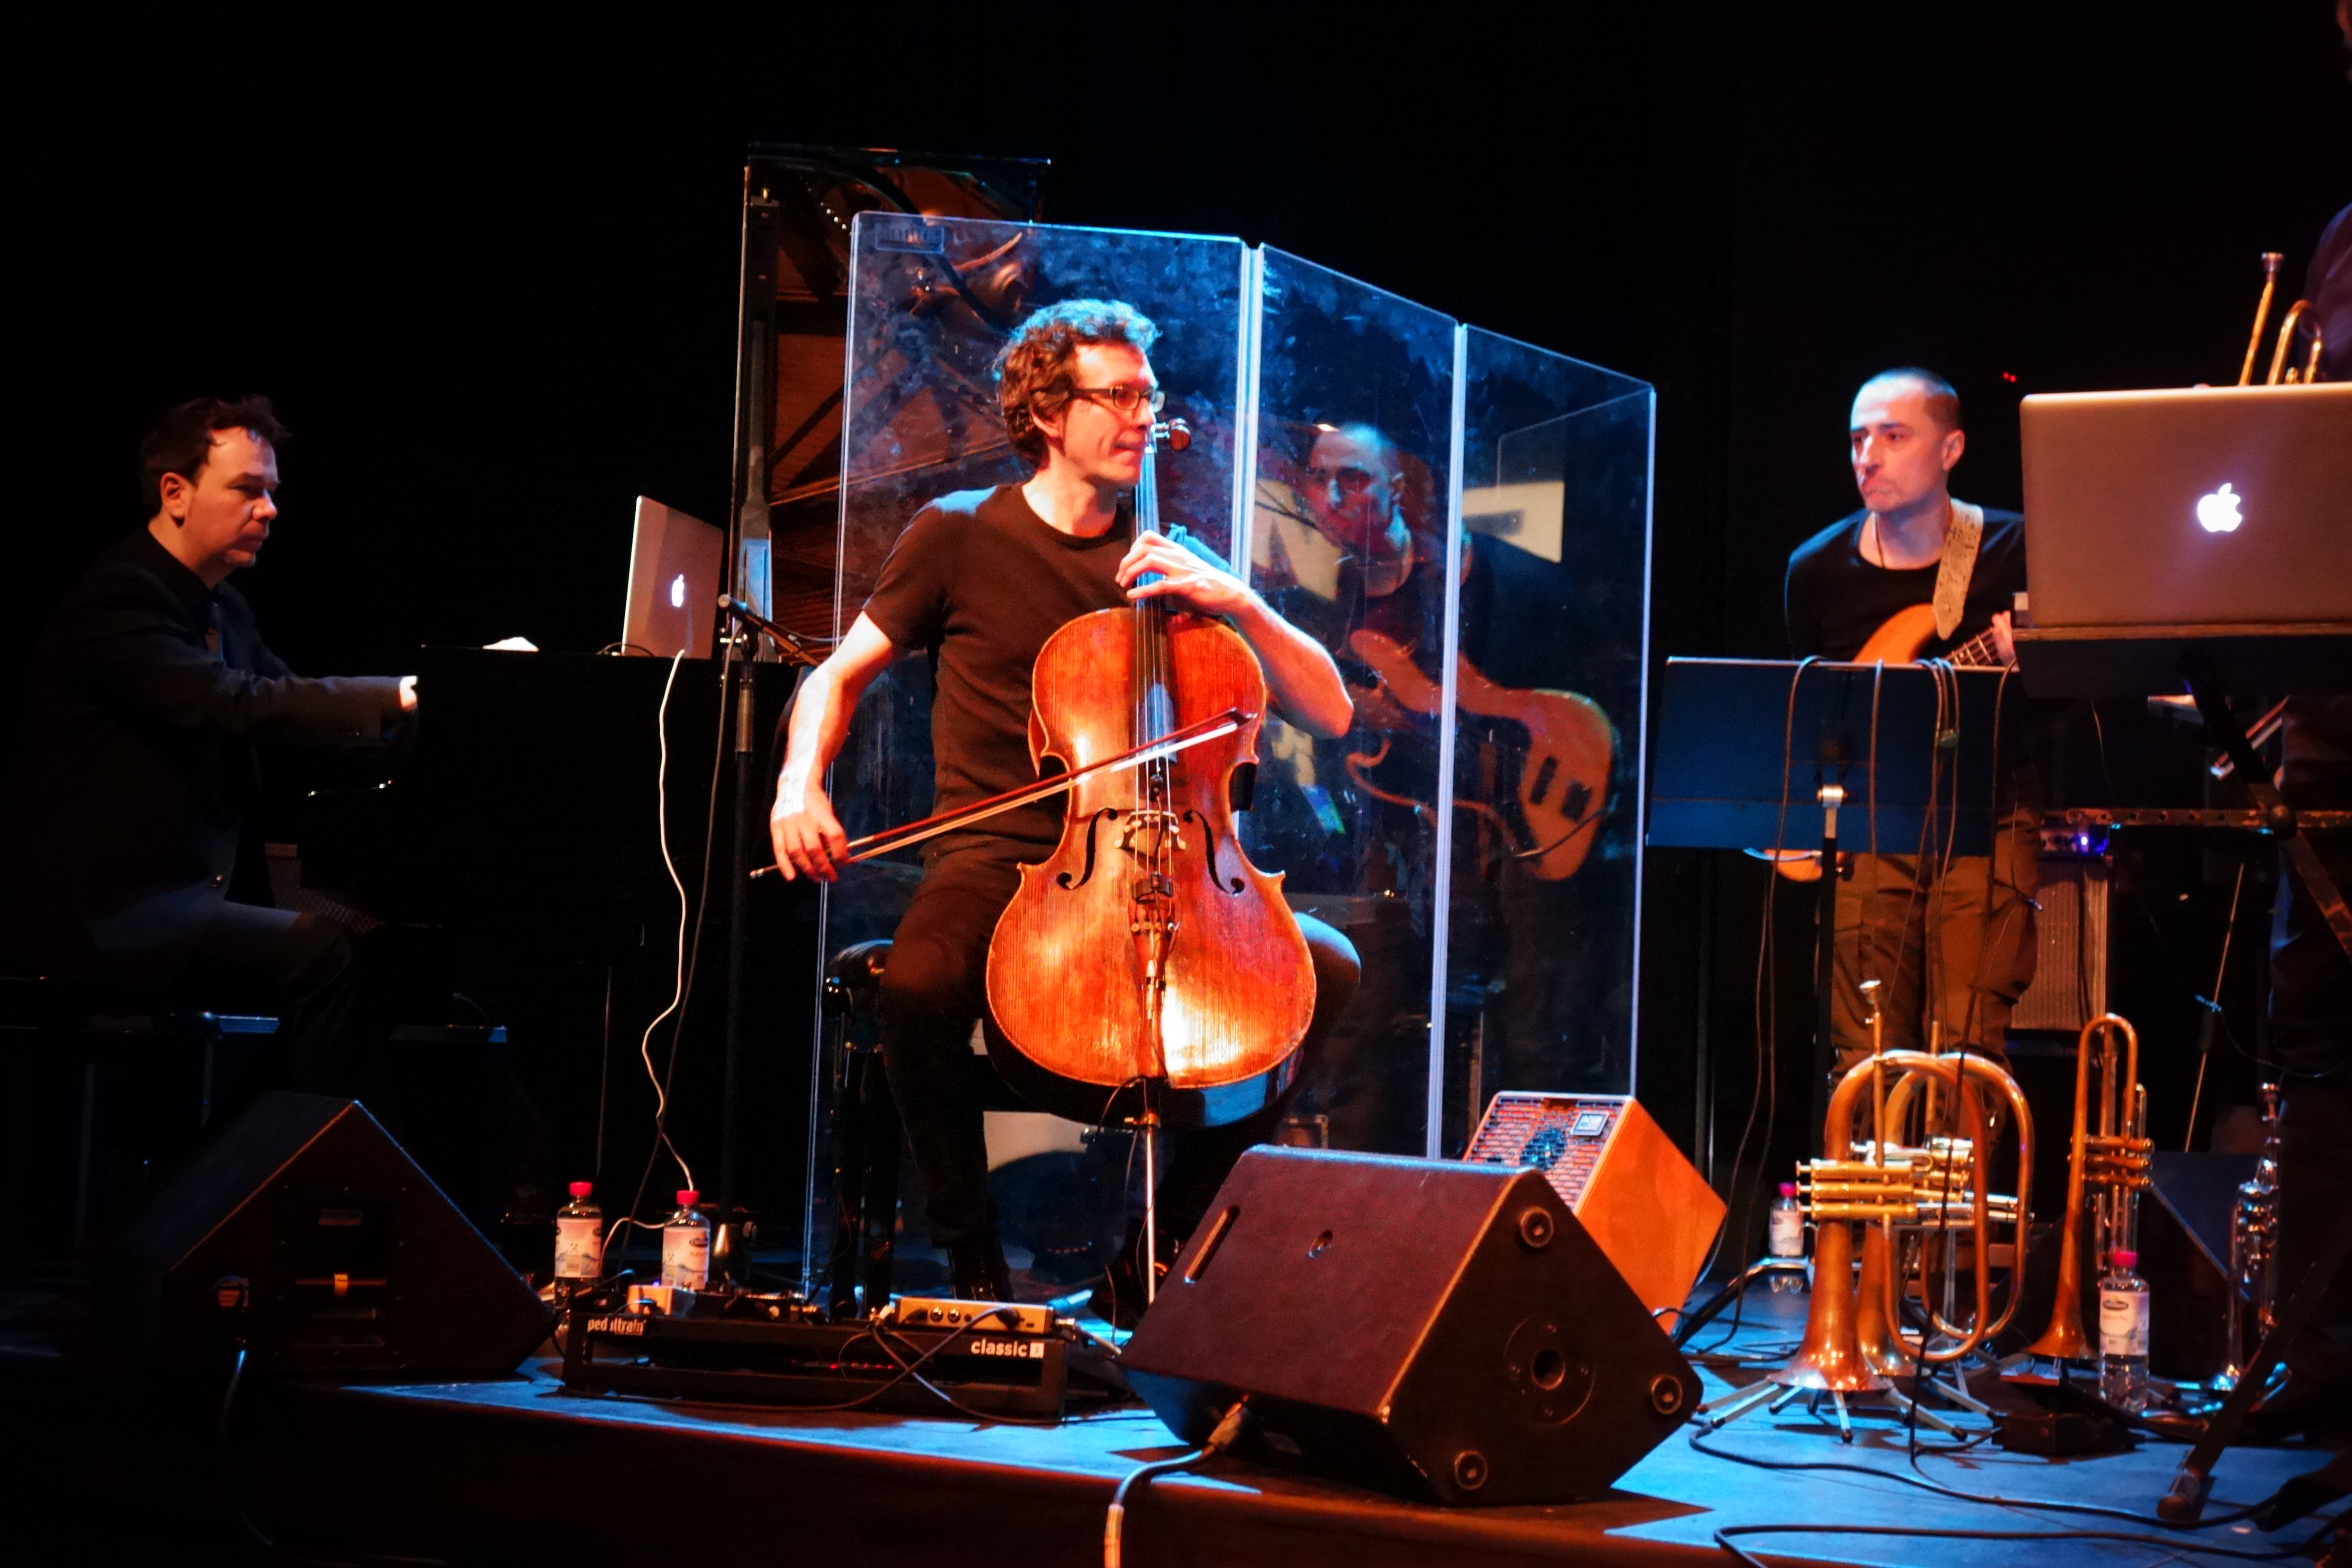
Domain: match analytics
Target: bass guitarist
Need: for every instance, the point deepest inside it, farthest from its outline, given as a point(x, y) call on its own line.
point(1917, 574)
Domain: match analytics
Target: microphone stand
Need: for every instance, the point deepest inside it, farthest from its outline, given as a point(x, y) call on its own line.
point(735, 666)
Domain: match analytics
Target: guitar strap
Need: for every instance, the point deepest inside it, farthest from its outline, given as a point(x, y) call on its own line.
point(1962, 537)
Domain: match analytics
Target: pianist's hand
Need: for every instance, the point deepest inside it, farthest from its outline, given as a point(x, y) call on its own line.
point(806, 834)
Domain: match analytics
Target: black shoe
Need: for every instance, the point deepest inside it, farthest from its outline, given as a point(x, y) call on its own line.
point(978, 1269)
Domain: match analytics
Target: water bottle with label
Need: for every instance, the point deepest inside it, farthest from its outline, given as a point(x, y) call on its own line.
point(2123, 1333)
point(1785, 1237)
point(686, 1245)
point(579, 1244)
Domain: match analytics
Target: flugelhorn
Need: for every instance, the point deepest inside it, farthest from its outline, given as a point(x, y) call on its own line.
point(2282, 373)
point(2106, 1173)
point(1853, 1339)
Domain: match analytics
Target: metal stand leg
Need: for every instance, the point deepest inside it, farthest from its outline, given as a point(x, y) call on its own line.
point(1740, 1401)
point(2191, 1483)
point(1912, 1407)
point(1150, 1260)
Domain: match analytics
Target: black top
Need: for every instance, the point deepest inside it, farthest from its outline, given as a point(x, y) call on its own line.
point(1835, 599)
point(979, 580)
point(2328, 286)
point(149, 695)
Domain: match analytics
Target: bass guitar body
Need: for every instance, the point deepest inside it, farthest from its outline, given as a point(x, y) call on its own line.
point(1560, 748)
point(1148, 947)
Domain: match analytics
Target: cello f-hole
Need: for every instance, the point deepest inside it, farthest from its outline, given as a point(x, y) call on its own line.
point(1086, 872)
point(1216, 871)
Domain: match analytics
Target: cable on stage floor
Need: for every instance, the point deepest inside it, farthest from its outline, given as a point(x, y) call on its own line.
point(2277, 1553)
point(1923, 1483)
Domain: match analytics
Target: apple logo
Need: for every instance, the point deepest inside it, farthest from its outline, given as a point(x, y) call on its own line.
point(677, 588)
point(2218, 513)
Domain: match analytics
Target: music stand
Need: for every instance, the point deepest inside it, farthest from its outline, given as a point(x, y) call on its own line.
point(1777, 754)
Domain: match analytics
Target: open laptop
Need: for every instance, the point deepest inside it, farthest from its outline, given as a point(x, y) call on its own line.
point(2191, 508)
point(675, 563)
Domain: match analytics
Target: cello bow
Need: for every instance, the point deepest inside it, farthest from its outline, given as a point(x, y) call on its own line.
point(913, 833)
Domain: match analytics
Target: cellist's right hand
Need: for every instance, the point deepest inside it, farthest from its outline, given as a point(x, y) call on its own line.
point(806, 834)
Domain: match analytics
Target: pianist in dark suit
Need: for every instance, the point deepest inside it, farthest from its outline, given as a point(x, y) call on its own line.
point(152, 692)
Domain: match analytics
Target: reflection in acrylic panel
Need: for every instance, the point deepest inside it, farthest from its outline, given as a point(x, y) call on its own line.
point(1347, 540)
point(1555, 516)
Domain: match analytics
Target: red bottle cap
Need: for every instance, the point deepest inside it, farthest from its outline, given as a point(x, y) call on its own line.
point(1788, 1189)
point(582, 1189)
point(2125, 1258)
point(688, 1198)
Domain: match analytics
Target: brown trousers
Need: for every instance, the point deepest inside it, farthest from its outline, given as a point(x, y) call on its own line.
point(1951, 942)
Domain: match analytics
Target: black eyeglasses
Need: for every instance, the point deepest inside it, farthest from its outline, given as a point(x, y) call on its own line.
point(1124, 398)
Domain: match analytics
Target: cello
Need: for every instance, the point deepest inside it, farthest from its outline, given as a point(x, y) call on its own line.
point(1145, 963)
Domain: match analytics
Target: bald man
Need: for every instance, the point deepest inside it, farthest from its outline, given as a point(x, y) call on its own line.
point(1949, 939)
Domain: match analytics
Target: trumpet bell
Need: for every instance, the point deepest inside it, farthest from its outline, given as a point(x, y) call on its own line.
point(1830, 1358)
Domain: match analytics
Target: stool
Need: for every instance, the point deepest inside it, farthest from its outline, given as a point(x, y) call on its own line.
point(108, 1092)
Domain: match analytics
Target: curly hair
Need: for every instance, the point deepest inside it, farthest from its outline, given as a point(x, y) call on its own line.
point(1032, 371)
point(181, 440)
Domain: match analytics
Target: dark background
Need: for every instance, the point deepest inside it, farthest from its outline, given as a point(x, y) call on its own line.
point(485, 260)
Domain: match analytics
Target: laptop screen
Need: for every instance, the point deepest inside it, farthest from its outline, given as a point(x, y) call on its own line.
point(675, 565)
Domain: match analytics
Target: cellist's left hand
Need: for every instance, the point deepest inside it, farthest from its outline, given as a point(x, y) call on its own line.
point(1188, 577)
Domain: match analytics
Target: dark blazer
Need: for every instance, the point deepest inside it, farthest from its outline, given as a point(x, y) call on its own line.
point(149, 694)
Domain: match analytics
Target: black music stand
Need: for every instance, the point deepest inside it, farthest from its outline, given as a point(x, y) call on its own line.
point(2211, 662)
point(1775, 755)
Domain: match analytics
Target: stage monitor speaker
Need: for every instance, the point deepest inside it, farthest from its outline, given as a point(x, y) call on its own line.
point(306, 1230)
point(1651, 1213)
point(1432, 1329)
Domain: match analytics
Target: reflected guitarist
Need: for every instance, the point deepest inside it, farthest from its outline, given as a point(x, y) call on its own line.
point(1917, 574)
point(1352, 550)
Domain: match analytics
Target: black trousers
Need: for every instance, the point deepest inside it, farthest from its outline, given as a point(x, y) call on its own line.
point(935, 990)
point(2311, 1036)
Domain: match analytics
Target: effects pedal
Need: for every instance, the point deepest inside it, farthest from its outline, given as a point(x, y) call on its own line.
point(990, 1316)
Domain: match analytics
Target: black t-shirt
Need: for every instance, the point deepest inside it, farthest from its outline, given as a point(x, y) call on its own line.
point(979, 580)
point(1835, 599)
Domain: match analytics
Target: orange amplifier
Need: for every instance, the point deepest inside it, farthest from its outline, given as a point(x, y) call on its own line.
point(1652, 1212)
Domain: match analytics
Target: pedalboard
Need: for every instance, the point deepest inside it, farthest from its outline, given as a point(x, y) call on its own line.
point(904, 1359)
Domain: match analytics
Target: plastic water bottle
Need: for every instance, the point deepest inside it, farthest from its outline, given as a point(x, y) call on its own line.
point(579, 1244)
point(686, 1245)
point(1785, 1236)
point(2123, 1333)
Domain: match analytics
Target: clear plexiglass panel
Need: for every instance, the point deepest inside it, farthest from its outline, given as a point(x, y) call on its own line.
point(931, 301)
point(1545, 873)
point(1355, 392)
point(1475, 834)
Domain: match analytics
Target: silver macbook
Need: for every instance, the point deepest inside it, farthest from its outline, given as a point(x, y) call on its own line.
point(674, 563)
point(2196, 507)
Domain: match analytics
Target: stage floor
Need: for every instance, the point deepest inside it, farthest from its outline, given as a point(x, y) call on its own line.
point(485, 1471)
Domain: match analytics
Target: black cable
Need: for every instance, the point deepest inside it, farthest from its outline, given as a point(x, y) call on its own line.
point(1767, 999)
point(261, 1538)
point(1722, 1538)
point(1923, 1483)
point(1228, 1432)
point(693, 961)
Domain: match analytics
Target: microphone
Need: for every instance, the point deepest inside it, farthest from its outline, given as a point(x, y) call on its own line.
point(730, 604)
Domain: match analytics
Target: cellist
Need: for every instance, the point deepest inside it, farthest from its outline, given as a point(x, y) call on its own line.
point(979, 580)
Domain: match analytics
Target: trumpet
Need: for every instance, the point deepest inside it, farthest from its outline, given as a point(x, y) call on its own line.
point(2106, 1173)
point(2253, 1252)
point(1905, 1192)
point(2282, 373)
